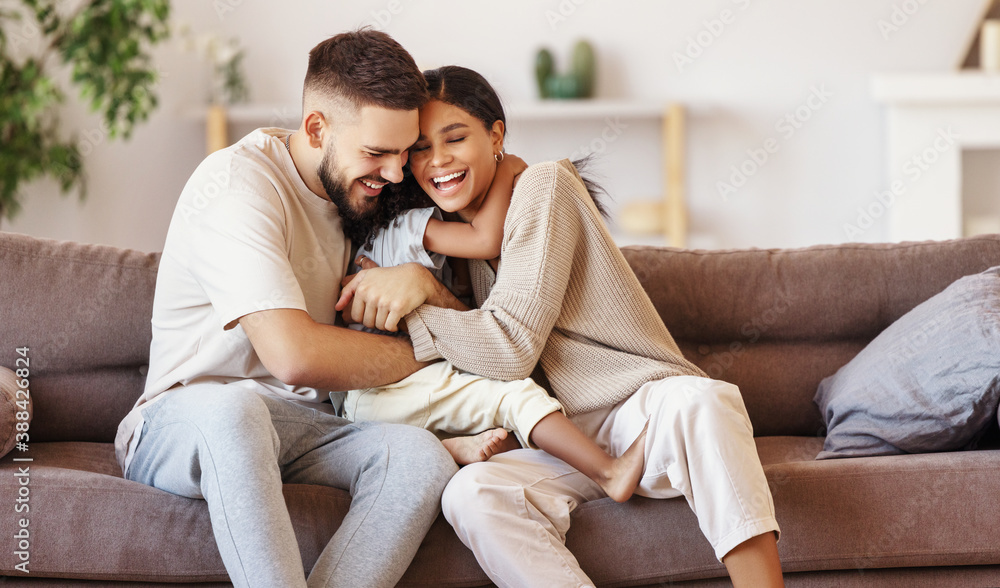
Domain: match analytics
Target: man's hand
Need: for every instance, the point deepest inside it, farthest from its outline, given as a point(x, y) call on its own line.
point(381, 296)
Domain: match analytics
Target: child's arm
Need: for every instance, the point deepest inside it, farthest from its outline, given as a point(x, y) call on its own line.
point(481, 238)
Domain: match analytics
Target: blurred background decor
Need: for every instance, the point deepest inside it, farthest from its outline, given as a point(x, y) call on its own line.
point(578, 82)
point(228, 82)
point(786, 143)
point(983, 50)
point(942, 139)
point(102, 47)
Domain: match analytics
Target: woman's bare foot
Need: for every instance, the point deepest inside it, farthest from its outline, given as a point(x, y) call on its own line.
point(473, 448)
point(626, 471)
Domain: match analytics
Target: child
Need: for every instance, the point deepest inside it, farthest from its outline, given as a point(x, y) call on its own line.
point(448, 401)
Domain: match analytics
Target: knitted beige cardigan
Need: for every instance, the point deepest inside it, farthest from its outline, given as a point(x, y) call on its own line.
point(564, 295)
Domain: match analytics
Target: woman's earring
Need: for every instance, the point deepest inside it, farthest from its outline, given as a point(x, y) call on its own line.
point(498, 157)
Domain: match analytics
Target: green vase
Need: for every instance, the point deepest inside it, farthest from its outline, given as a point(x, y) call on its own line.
point(563, 86)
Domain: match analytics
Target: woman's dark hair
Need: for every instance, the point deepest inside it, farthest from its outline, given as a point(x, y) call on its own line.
point(468, 90)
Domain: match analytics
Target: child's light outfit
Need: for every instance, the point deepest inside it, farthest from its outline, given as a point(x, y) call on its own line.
point(403, 241)
point(439, 397)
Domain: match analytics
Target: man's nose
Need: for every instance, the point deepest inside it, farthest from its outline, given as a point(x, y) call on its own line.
point(393, 171)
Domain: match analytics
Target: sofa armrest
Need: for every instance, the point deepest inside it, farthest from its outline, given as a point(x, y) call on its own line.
point(9, 409)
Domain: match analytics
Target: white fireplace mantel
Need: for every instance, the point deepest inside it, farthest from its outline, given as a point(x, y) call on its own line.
point(932, 118)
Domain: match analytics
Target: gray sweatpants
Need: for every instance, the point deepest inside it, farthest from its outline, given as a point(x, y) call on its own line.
point(234, 448)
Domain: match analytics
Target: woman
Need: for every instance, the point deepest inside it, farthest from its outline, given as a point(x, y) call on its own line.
point(563, 295)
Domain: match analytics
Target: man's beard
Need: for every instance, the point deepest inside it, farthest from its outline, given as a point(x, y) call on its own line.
point(357, 224)
point(339, 193)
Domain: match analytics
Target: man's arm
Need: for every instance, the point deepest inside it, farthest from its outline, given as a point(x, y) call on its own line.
point(301, 352)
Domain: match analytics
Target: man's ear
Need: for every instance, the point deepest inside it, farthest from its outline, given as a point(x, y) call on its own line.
point(316, 128)
point(496, 135)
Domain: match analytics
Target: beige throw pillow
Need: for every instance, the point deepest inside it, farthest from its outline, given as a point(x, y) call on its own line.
point(9, 409)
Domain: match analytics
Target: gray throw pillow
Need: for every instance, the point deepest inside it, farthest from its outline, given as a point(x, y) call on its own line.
point(929, 382)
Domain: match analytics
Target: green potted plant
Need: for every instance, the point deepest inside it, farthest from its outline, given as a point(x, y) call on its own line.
point(104, 45)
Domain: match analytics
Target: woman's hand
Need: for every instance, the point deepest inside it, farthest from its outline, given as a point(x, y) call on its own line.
point(383, 296)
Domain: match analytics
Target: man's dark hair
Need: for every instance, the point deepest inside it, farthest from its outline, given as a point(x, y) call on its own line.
point(367, 68)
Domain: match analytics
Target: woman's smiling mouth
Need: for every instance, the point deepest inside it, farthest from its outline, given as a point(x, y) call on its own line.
point(448, 182)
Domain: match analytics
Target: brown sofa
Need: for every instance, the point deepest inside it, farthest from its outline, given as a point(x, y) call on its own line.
point(775, 322)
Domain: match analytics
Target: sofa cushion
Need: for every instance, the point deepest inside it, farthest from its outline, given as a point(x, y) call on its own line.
point(80, 309)
point(929, 382)
point(815, 303)
point(874, 512)
point(84, 405)
point(888, 511)
point(86, 521)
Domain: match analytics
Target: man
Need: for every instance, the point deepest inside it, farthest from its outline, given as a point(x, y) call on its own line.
point(244, 347)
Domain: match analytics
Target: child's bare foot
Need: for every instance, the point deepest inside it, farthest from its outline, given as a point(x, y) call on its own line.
point(626, 470)
point(473, 448)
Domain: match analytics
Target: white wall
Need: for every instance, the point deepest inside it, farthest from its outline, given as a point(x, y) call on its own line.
point(762, 64)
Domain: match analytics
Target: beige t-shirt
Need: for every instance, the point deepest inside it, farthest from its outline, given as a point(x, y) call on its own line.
point(246, 235)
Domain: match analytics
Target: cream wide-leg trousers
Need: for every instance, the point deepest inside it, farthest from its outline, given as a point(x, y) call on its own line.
point(699, 446)
point(442, 399)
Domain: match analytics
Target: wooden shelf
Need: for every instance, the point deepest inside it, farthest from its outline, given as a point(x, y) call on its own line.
point(582, 109)
point(249, 113)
